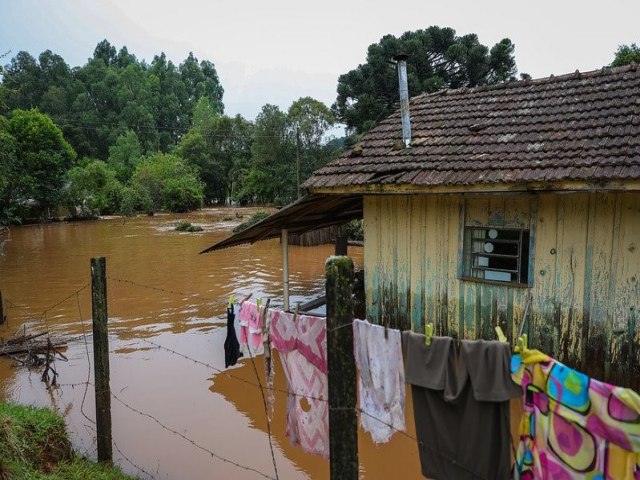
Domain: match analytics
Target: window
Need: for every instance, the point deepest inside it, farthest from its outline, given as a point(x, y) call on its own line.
point(496, 254)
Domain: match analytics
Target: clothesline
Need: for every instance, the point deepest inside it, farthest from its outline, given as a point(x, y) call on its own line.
point(474, 366)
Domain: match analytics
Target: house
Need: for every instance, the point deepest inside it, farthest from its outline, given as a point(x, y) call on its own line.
point(515, 205)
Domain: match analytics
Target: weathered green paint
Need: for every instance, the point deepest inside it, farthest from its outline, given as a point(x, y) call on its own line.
point(101, 358)
point(343, 427)
point(583, 274)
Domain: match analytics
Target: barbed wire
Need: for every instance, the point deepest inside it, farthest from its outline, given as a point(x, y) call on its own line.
point(355, 409)
point(86, 347)
point(274, 389)
point(158, 289)
point(266, 411)
point(258, 385)
point(134, 465)
point(191, 441)
point(14, 305)
point(68, 297)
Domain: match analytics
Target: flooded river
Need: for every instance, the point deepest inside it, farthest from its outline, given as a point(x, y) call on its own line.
point(176, 412)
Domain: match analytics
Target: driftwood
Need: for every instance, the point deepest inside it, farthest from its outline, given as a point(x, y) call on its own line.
point(13, 347)
point(36, 350)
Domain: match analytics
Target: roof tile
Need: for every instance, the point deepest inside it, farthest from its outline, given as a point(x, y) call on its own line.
point(576, 126)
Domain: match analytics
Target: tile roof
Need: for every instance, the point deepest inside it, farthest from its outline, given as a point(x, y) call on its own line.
point(581, 126)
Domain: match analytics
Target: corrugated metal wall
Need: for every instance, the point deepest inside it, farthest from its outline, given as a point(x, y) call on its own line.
point(585, 293)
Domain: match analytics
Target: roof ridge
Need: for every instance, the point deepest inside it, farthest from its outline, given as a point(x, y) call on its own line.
point(605, 70)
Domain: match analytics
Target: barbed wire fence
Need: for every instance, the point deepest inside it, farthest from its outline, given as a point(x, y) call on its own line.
point(176, 432)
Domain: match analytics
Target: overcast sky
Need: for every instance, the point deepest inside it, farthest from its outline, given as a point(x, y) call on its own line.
point(280, 50)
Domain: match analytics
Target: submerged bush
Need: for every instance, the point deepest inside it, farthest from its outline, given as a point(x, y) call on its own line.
point(186, 226)
point(255, 218)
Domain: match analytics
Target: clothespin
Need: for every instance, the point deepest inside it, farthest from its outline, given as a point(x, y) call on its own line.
point(428, 333)
point(259, 303)
point(522, 344)
point(500, 333)
point(295, 312)
point(232, 299)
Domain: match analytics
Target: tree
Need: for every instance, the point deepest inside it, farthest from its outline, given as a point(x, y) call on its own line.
point(438, 59)
point(194, 150)
point(167, 182)
point(112, 93)
point(124, 155)
point(92, 190)
point(43, 157)
point(626, 54)
point(271, 176)
point(201, 79)
point(311, 120)
point(204, 115)
point(11, 178)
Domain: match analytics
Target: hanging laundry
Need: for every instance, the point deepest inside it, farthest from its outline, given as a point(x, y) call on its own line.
point(250, 321)
point(302, 345)
point(461, 406)
point(231, 345)
point(381, 387)
point(574, 426)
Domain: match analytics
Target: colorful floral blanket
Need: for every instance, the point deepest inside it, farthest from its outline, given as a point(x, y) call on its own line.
point(574, 427)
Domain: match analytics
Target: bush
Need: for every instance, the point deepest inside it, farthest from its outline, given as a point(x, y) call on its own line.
point(255, 218)
point(355, 230)
point(186, 226)
point(166, 182)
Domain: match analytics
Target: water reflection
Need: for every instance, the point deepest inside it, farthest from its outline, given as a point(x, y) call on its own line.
point(161, 291)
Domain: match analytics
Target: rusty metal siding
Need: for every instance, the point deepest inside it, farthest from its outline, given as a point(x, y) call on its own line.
point(585, 291)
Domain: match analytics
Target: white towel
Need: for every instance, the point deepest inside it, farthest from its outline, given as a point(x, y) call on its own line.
point(381, 387)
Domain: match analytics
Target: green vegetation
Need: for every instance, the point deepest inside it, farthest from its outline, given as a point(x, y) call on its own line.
point(34, 445)
point(148, 136)
point(120, 135)
point(186, 226)
point(355, 230)
point(438, 59)
point(255, 218)
point(626, 54)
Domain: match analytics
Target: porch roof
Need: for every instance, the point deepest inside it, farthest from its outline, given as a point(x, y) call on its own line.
point(308, 213)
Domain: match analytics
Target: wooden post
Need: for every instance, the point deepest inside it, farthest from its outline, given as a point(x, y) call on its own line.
point(343, 427)
point(285, 268)
point(298, 160)
point(342, 242)
point(1, 309)
point(101, 358)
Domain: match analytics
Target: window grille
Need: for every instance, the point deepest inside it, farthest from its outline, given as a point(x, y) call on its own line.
point(496, 254)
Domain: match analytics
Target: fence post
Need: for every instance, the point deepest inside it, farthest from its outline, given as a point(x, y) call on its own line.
point(343, 427)
point(101, 358)
point(1, 310)
point(342, 241)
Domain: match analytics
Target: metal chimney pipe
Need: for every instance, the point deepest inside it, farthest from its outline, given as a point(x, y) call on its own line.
point(404, 98)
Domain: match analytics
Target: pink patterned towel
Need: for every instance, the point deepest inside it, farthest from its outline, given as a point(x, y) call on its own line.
point(250, 322)
point(303, 351)
point(307, 334)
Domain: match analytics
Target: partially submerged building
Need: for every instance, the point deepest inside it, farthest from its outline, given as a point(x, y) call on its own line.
point(515, 205)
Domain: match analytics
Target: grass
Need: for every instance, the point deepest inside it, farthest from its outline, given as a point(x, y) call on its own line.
point(34, 445)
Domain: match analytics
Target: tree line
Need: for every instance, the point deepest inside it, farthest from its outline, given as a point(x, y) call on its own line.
point(119, 135)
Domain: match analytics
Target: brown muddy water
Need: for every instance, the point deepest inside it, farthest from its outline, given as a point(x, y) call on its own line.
point(173, 418)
